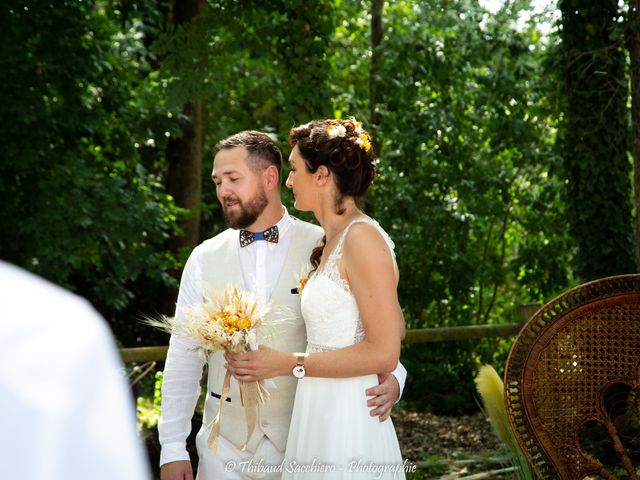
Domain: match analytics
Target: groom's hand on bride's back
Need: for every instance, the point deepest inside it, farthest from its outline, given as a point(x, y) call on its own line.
point(178, 470)
point(385, 395)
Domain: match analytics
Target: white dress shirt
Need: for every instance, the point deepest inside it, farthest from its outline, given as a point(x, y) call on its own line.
point(259, 263)
point(66, 412)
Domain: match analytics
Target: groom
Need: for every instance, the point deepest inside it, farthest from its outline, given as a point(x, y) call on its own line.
point(264, 251)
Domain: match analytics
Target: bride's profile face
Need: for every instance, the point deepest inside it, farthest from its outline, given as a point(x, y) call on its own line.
point(300, 181)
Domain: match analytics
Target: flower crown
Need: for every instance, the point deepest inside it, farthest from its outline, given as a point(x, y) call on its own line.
point(338, 130)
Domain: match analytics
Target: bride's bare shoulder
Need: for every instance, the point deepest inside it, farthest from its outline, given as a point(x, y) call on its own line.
point(365, 241)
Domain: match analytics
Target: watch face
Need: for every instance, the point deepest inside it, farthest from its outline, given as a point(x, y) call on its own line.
point(298, 371)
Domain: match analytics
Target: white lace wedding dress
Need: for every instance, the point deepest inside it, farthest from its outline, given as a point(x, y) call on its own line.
point(332, 435)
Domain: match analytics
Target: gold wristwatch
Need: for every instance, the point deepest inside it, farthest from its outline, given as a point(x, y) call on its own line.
point(298, 370)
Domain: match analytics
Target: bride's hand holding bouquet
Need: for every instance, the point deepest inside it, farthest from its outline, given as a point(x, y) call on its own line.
point(260, 364)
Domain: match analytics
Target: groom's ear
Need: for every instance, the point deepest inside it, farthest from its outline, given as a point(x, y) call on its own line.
point(322, 175)
point(271, 178)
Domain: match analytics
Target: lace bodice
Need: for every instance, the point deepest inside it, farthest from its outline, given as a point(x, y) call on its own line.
point(328, 306)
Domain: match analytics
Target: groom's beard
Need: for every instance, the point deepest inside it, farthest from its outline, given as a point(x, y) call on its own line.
point(246, 214)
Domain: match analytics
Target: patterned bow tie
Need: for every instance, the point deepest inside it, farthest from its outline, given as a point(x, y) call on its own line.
point(269, 235)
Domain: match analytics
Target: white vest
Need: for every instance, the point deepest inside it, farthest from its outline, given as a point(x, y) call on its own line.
point(221, 267)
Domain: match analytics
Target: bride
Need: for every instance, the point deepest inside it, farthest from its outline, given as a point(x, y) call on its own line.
point(351, 311)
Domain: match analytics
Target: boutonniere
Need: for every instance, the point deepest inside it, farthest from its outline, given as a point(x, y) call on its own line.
point(302, 281)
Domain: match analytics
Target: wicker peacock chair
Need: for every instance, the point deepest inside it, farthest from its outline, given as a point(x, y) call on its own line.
point(572, 383)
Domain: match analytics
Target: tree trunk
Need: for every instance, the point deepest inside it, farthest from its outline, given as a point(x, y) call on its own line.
point(184, 178)
point(634, 52)
point(375, 92)
point(593, 138)
point(184, 154)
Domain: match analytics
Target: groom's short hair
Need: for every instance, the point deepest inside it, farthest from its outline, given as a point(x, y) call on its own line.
point(262, 149)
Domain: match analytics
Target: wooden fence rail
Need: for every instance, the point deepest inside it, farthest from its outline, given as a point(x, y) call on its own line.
point(423, 335)
point(466, 332)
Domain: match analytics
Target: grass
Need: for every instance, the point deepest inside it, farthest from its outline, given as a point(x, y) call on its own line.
point(489, 464)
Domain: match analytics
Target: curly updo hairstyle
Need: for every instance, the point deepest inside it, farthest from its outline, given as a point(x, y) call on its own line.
point(344, 147)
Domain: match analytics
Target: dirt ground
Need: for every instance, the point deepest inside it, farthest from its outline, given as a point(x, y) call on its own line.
point(441, 447)
point(424, 434)
point(450, 448)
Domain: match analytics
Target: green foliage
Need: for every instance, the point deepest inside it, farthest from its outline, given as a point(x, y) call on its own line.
point(149, 407)
point(467, 182)
point(470, 183)
point(594, 137)
point(466, 166)
point(435, 467)
point(255, 65)
point(80, 206)
point(149, 400)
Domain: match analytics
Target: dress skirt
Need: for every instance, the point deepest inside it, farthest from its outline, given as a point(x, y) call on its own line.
point(333, 436)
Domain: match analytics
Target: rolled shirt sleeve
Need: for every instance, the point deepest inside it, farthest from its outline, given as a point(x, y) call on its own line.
point(401, 375)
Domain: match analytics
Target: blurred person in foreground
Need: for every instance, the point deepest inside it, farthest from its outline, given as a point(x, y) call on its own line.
point(65, 410)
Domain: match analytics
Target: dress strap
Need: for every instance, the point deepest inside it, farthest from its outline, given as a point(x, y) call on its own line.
point(337, 252)
point(338, 249)
point(330, 269)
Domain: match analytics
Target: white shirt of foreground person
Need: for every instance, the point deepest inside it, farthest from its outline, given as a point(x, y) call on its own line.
point(65, 410)
point(261, 263)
